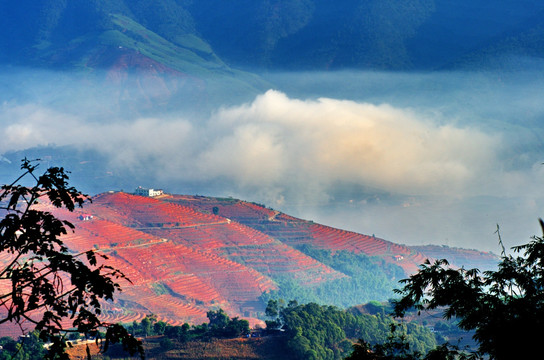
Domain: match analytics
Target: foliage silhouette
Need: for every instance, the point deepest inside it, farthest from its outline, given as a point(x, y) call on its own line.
point(505, 308)
point(48, 283)
point(397, 347)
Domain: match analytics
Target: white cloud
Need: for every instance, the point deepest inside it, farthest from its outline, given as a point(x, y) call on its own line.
point(279, 145)
point(433, 151)
point(317, 143)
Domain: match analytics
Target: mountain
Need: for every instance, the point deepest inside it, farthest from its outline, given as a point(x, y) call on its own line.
point(186, 254)
point(203, 36)
point(138, 52)
point(371, 34)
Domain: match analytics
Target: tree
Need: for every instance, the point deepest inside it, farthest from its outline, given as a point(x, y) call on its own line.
point(397, 347)
point(159, 327)
point(505, 308)
point(181, 333)
point(48, 282)
point(147, 325)
point(218, 319)
point(221, 325)
point(323, 332)
point(237, 327)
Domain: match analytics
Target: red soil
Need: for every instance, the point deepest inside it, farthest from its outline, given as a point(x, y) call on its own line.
point(183, 259)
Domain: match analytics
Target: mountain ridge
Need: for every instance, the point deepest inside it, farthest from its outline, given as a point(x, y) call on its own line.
point(186, 254)
point(285, 35)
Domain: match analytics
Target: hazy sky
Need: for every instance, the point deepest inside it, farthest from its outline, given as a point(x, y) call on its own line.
point(412, 158)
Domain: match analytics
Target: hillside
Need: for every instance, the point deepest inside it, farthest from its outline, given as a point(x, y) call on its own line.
point(202, 36)
point(265, 348)
point(142, 58)
point(296, 232)
point(187, 254)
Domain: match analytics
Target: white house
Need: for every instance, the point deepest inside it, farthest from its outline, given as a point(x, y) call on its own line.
point(85, 217)
point(147, 192)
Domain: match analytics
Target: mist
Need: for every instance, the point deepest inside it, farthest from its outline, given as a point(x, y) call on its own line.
point(414, 158)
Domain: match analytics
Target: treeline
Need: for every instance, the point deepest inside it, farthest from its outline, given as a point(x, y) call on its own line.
point(369, 278)
point(324, 332)
point(306, 331)
point(29, 347)
point(220, 325)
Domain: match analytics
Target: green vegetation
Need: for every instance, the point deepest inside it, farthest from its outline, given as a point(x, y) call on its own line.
point(368, 278)
point(134, 36)
point(505, 308)
point(220, 326)
point(315, 331)
point(30, 347)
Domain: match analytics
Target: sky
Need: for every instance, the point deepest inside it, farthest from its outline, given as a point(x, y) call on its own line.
point(414, 158)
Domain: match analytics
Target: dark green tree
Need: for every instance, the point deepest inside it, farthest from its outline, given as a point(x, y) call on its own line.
point(159, 327)
point(49, 283)
point(218, 319)
point(505, 307)
point(322, 332)
point(181, 333)
point(237, 327)
point(166, 344)
point(397, 347)
point(147, 325)
point(30, 347)
point(221, 325)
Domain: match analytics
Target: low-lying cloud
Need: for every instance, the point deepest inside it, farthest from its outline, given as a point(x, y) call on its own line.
point(279, 146)
point(314, 144)
point(413, 174)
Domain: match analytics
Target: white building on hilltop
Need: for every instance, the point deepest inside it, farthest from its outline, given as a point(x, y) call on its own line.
point(148, 192)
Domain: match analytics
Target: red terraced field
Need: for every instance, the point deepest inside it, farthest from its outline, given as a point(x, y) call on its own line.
point(212, 236)
point(171, 309)
point(102, 234)
point(280, 259)
point(192, 287)
point(169, 279)
point(293, 231)
point(146, 211)
point(336, 240)
point(231, 281)
point(228, 208)
point(253, 248)
point(183, 259)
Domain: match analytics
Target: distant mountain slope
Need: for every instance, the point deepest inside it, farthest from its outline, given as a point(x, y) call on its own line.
point(462, 257)
point(146, 55)
point(377, 34)
point(273, 34)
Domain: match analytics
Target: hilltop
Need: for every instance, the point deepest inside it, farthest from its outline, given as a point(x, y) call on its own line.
point(187, 254)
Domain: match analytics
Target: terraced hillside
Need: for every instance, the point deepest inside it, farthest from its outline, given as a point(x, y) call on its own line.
point(295, 232)
point(186, 255)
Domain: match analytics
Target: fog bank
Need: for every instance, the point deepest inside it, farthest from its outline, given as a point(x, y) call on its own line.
point(414, 158)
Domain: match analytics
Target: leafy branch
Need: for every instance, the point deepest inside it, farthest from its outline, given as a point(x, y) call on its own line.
point(49, 284)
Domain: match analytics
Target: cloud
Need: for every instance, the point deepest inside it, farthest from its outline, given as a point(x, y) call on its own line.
point(314, 144)
point(424, 159)
point(279, 145)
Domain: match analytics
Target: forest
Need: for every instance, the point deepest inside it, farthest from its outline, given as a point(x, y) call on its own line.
point(369, 278)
